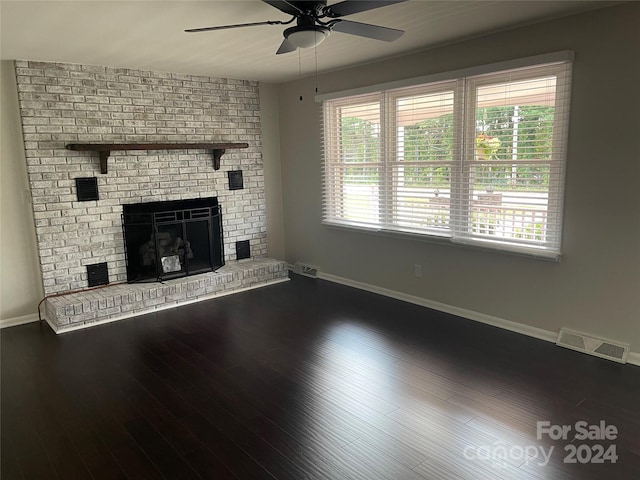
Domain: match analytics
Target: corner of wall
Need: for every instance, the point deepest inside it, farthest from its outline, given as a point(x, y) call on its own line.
point(270, 124)
point(20, 278)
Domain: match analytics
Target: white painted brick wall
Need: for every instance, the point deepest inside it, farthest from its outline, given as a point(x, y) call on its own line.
point(68, 103)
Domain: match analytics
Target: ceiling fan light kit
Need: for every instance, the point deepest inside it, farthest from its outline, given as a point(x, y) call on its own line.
point(315, 21)
point(306, 37)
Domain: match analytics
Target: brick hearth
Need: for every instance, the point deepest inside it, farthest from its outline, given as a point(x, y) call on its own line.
point(116, 302)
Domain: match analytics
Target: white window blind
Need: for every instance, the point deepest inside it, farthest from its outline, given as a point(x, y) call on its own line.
point(354, 161)
point(478, 159)
point(422, 124)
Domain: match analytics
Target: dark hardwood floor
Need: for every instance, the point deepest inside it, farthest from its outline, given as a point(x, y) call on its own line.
point(306, 380)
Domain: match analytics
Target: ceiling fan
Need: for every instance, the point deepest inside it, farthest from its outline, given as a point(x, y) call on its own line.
point(315, 20)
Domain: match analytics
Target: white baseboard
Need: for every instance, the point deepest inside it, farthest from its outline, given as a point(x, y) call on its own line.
point(12, 322)
point(633, 358)
point(539, 333)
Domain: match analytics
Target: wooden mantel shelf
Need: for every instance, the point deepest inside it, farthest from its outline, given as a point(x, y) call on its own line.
point(105, 149)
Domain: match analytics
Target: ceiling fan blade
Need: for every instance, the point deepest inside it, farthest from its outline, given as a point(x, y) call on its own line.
point(284, 6)
point(367, 30)
point(306, 5)
point(237, 25)
point(349, 7)
point(286, 47)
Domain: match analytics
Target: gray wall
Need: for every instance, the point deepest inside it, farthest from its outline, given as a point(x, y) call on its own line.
point(269, 121)
point(20, 279)
point(595, 288)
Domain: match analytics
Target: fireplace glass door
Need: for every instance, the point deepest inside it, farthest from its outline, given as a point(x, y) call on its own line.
point(166, 240)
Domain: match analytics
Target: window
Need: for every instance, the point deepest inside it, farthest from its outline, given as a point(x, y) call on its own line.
point(477, 159)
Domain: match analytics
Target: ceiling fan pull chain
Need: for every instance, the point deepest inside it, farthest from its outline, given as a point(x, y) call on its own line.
point(316, 55)
point(300, 72)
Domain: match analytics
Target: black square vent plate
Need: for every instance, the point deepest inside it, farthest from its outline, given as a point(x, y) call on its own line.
point(98, 274)
point(87, 189)
point(243, 250)
point(235, 180)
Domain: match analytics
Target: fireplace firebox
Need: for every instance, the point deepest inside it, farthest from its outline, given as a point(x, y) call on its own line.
point(165, 240)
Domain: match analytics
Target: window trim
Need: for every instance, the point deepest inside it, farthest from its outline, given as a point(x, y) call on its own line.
point(464, 80)
point(546, 58)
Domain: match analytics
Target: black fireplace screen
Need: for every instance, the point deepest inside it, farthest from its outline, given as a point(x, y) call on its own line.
point(165, 240)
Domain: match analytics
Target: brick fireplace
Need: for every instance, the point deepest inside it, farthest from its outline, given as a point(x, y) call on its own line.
point(68, 103)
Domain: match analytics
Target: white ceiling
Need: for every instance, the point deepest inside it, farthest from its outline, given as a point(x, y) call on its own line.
point(148, 35)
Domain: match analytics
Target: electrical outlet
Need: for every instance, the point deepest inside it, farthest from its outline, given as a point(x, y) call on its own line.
point(417, 270)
